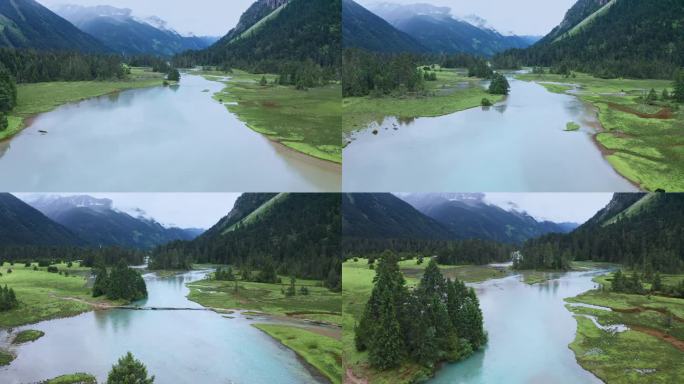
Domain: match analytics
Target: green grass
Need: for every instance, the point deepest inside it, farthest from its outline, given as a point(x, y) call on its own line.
point(306, 121)
point(644, 353)
point(43, 295)
point(647, 151)
point(446, 96)
point(33, 99)
point(572, 126)
point(74, 378)
point(5, 358)
point(323, 353)
point(27, 335)
point(268, 298)
point(357, 284)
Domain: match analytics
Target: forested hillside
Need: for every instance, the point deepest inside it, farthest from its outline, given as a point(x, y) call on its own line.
point(301, 31)
point(27, 24)
point(645, 232)
point(625, 38)
point(297, 234)
point(365, 30)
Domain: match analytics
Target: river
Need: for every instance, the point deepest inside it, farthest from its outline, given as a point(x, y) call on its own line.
point(518, 145)
point(191, 346)
point(529, 331)
point(159, 139)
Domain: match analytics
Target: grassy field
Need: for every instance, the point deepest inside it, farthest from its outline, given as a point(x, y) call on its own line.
point(33, 99)
point(43, 295)
point(27, 336)
point(650, 351)
point(320, 304)
point(452, 92)
point(74, 378)
point(306, 121)
point(357, 284)
point(324, 353)
point(5, 357)
point(644, 143)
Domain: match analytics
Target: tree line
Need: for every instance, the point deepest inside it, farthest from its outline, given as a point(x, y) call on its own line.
point(634, 284)
point(120, 282)
point(440, 320)
point(8, 299)
point(89, 256)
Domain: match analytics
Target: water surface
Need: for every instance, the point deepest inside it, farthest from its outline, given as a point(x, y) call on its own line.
point(177, 346)
point(529, 331)
point(161, 139)
point(519, 145)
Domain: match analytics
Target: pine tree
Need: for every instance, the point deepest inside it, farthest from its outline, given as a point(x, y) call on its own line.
point(499, 85)
point(128, 370)
point(678, 86)
point(657, 284)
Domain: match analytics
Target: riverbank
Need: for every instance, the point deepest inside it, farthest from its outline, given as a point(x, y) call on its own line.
point(452, 92)
point(306, 121)
point(36, 98)
point(322, 352)
point(650, 349)
point(43, 295)
point(357, 284)
point(642, 142)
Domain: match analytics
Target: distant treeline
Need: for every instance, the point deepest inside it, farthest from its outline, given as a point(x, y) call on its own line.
point(652, 240)
point(365, 73)
point(455, 252)
point(89, 256)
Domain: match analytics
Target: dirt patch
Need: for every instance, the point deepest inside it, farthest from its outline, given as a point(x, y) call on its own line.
point(350, 378)
point(270, 104)
point(663, 114)
point(679, 344)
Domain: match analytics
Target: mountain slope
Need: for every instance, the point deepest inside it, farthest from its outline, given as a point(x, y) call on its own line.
point(298, 233)
point(27, 24)
point(124, 34)
point(95, 221)
point(618, 38)
point(20, 224)
point(467, 216)
point(385, 216)
point(300, 30)
point(363, 29)
point(641, 231)
point(435, 28)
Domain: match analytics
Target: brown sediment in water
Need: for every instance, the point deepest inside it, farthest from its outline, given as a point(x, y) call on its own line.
point(663, 114)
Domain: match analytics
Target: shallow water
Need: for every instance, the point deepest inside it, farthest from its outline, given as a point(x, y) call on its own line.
point(529, 331)
point(518, 145)
point(160, 139)
point(176, 346)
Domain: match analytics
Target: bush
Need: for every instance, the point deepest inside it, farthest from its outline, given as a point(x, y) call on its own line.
point(486, 102)
point(52, 269)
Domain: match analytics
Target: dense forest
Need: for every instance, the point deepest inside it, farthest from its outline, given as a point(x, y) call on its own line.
point(31, 66)
point(440, 320)
point(299, 234)
point(648, 235)
point(633, 38)
point(303, 31)
point(119, 283)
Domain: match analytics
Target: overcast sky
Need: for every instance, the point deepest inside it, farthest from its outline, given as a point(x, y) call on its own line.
point(185, 210)
point(558, 207)
point(523, 17)
point(201, 17)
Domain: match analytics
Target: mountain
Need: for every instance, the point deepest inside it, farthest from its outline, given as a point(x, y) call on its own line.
point(298, 234)
point(272, 32)
point(385, 216)
point(643, 231)
point(615, 38)
point(435, 28)
point(468, 216)
point(97, 222)
point(125, 34)
point(27, 24)
point(363, 29)
point(21, 224)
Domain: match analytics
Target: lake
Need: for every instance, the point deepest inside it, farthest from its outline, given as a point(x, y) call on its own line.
point(529, 331)
point(192, 346)
point(518, 145)
point(160, 139)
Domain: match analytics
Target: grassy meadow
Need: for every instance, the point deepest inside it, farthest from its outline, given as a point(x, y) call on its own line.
point(36, 98)
point(656, 326)
point(307, 121)
point(452, 92)
point(644, 143)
